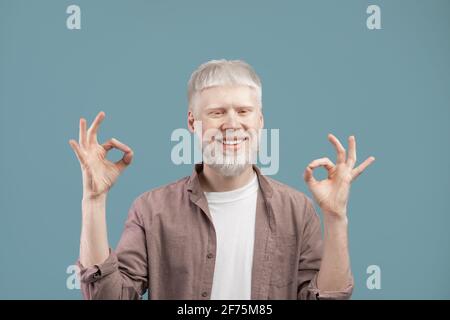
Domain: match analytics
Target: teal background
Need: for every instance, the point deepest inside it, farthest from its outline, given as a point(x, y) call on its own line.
point(322, 71)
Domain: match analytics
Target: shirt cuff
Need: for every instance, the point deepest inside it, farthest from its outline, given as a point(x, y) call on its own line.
point(98, 271)
point(317, 294)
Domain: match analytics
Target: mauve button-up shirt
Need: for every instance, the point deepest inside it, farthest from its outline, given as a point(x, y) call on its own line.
point(168, 247)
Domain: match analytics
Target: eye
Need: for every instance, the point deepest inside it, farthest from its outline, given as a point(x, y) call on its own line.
point(243, 112)
point(216, 113)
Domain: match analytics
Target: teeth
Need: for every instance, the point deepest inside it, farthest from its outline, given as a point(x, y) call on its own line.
point(232, 142)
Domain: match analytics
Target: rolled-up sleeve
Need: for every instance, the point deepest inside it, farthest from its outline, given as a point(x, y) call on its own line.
point(124, 274)
point(310, 259)
point(316, 294)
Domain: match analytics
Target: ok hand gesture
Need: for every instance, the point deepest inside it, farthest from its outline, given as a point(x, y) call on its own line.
point(332, 194)
point(99, 174)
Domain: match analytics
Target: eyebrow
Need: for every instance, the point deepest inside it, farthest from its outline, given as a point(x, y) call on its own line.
point(214, 107)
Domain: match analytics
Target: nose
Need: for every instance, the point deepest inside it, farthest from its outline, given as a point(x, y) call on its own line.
point(231, 121)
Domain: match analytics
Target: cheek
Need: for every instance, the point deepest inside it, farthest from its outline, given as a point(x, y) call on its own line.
point(253, 122)
point(209, 131)
point(210, 127)
point(209, 123)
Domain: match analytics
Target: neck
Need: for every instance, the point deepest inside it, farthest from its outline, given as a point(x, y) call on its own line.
point(212, 181)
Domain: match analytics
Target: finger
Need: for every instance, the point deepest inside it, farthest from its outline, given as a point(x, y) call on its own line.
point(308, 176)
point(125, 161)
point(322, 162)
point(92, 132)
point(82, 134)
point(114, 143)
point(357, 171)
point(340, 150)
point(128, 153)
point(77, 150)
point(351, 160)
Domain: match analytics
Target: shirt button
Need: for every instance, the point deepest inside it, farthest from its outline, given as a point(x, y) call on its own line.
point(210, 255)
point(204, 294)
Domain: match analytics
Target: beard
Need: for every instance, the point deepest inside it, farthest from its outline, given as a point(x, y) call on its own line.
point(231, 163)
point(229, 170)
point(228, 165)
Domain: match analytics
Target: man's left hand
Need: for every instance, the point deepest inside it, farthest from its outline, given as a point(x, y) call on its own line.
point(331, 194)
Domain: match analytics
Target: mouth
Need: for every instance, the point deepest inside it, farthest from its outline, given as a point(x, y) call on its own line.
point(231, 143)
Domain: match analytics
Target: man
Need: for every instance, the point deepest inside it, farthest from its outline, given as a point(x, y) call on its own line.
point(225, 232)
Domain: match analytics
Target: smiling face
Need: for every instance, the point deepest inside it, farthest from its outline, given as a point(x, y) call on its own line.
point(231, 119)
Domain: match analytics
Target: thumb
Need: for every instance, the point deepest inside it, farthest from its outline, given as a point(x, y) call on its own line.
point(125, 161)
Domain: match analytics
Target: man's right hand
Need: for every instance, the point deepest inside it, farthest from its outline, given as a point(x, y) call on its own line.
point(99, 174)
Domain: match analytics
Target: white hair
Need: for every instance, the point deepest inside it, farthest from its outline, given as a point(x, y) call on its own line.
point(222, 73)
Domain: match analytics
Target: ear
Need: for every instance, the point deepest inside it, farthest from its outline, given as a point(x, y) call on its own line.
point(261, 118)
point(190, 121)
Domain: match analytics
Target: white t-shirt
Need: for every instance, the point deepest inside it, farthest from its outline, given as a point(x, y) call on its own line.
point(233, 213)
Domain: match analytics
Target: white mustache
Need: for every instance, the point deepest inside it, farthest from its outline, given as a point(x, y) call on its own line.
point(234, 140)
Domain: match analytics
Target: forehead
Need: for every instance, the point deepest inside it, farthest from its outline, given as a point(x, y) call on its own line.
point(222, 96)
